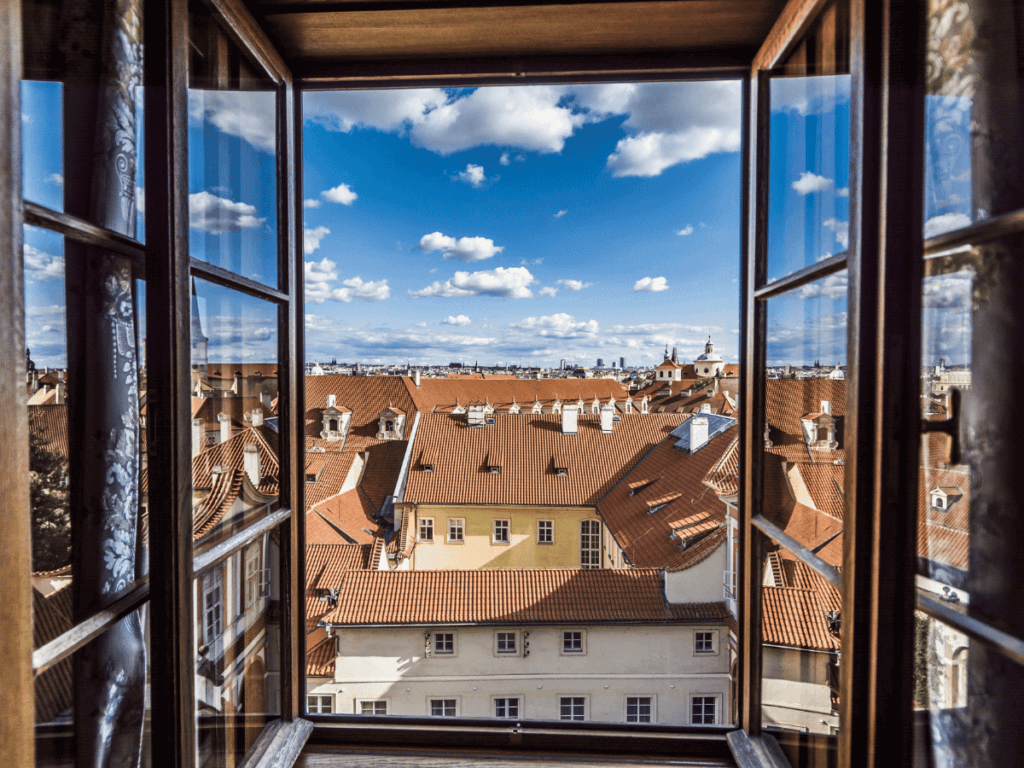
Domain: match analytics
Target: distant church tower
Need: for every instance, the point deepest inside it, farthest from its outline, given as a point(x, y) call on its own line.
point(709, 364)
point(675, 355)
point(199, 341)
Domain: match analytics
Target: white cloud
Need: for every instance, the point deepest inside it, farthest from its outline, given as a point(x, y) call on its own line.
point(42, 266)
point(687, 230)
point(574, 285)
point(502, 282)
point(460, 320)
point(561, 325)
point(945, 222)
point(421, 325)
point(56, 179)
point(809, 95)
point(841, 229)
point(843, 192)
point(311, 239)
point(561, 213)
point(320, 277)
point(247, 114)
point(310, 203)
point(651, 284)
point(504, 158)
point(547, 290)
point(463, 249)
point(218, 215)
point(473, 175)
point(811, 182)
point(833, 287)
point(339, 194)
point(389, 110)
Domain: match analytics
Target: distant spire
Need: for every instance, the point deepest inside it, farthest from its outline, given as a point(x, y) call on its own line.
point(675, 355)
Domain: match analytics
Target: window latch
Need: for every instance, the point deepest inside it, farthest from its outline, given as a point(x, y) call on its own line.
point(950, 425)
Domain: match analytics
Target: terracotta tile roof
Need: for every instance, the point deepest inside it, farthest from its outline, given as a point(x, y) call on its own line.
point(231, 454)
point(812, 528)
point(326, 566)
point(320, 658)
point(512, 596)
point(43, 397)
point(723, 477)
point(351, 512)
point(943, 535)
point(50, 423)
point(825, 484)
point(211, 510)
point(319, 531)
point(645, 537)
point(533, 445)
point(675, 387)
point(787, 401)
point(404, 540)
point(208, 408)
point(366, 396)
point(228, 370)
point(51, 616)
point(795, 617)
point(441, 395)
point(383, 465)
point(331, 469)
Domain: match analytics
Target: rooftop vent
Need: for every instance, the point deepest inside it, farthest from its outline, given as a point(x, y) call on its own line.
point(569, 416)
point(330, 401)
point(475, 416)
point(607, 418)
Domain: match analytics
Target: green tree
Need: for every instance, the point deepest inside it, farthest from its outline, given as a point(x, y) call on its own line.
point(51, 519)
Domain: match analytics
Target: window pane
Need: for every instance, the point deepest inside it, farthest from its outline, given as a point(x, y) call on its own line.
point(114, 719)
point(235, 440)
point(82, 125)
point(232, 156)
point(805, 409)
point(238, 653)
point(943, 704)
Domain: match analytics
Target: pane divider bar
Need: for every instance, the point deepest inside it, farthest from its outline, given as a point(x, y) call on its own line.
point(808, 274)
point(229, 279)
point(822, 568)
point(981, 232)
point(229, 546)
point(66, 643)
point(1011, 647)
point(84, 231)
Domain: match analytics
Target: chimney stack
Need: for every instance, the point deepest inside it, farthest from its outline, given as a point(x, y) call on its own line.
point(607, 418)
point(198, 436)
point(225, 426)
point(416, 378)
point(330, 401)
point(569, 414)
point(698, 432)
point(59, 399)
point(236, 385)
point(826, 407)
point(266, 400)
point(251, 462)
point(256, 417)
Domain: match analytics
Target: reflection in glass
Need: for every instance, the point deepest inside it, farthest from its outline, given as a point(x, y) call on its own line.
point(232, 160)
point(238, 663)
point(804, 451)
point(234, 428)
point(941, 695)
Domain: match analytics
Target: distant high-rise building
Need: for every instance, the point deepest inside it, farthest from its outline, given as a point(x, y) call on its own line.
point(622, 362)
point(562, 364)
point(600, 362)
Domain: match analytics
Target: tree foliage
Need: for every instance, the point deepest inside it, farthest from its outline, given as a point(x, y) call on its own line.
point(51, 518)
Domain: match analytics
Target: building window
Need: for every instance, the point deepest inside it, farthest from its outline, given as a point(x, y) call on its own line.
point(254, 581)
point(376, 707)
point(456, 527)
point(501, 532)
point(506, 643)
point(639, 709)
point(704, 642)
point(426, 529)
point(444, 643)
point(545, 531)
point(572, 641)
point(572, 707)
point(213, 606)
point(320, 705)
point(443, 707)
point(703, 710)
point(506, 707)
point(590, 544)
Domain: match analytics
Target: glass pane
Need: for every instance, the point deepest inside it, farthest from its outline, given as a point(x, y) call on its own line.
point(805, 409)
point(238, 650)
point(82, 125)
point(232, 155)
point(113, 554)
point(235, 444)
point(972, 112)
point(110, 721)
point(809, 161)
point(943, 704)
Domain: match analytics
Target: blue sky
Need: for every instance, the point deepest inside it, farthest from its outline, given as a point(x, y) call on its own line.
point(515, 225)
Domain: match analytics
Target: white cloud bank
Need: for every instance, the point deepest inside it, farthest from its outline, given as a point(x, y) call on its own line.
point(463, 249)
point(460, 320)
point(249, 115)
point(42, 266)
point(311, 239)
point(502, 282)
point(653, 284)
point(561, 325)
point(218, 215)
point(320, 277)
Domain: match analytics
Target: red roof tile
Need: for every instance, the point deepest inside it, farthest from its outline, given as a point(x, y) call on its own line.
point(50, 424)
point(441, 395)
point(795, 617)
point(352, 513)
point(366, 396)
point(326, 566)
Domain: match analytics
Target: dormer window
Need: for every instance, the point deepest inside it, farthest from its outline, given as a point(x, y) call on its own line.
point(494, 469)
point(427, 467)
point(944, 497)
point(311, 477)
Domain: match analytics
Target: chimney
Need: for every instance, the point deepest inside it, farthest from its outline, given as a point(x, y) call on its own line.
point(225, 426)
point(59, 400)
point(705, 407)
point(607, 418)
point(826, 407)
point(198, 436)
point(215, 472)
point(416, 378)
point(569, 413)
point(266, 400)
point(251, 462)
point(698, 432)
point(330, 401)
point(236, 385)
point(256, 417)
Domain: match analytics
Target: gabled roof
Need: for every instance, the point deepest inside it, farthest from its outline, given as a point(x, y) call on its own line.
point(441, 395)
point(352, 513)
point(208, 408)
point(326, 566)
point(321, 657)
point(50, 424)
point(51, 616)
point(331, 468)
point(500, 596)
point(533, 445)
point(231, 454)
point(226, 489)
point(366, 396)
point(723, 477)
point(788, 402)
point(794, 610)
